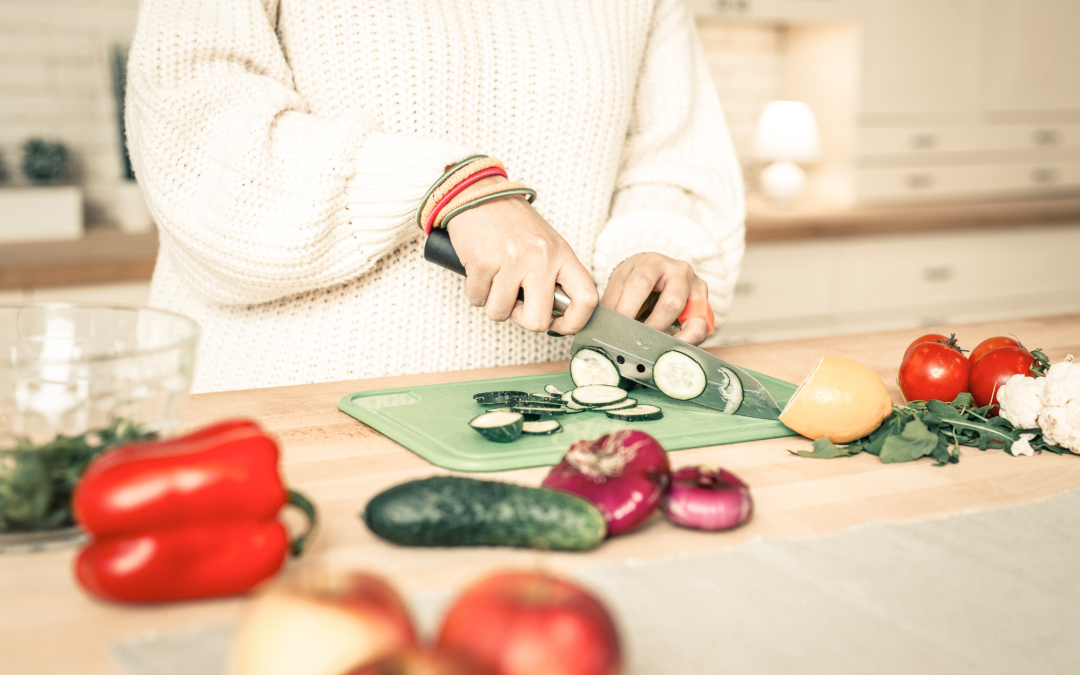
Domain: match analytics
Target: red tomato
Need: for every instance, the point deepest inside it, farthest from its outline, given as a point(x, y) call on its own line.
point(524, 623)
point(928, 338)
point(934, 371)
point(991, 343)
point(994, 369)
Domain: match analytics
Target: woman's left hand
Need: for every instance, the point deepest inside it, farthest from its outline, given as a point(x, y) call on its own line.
point(639, 275)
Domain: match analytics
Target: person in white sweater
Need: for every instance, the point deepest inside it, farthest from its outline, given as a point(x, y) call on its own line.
point(284, 147)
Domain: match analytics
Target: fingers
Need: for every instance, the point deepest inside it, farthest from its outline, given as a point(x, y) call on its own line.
point(670, 304)
point(535, 313)
point(694, 331)
point(639, 283)
point(502, 298)
point(478, 285)
point(581, 290)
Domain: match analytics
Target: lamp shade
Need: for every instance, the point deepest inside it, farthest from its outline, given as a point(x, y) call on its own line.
point(787, 132)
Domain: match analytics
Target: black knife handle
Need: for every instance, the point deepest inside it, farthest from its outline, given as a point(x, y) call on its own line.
point(439, 250)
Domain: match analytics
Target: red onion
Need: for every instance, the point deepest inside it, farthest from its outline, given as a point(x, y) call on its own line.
point(706, 498)
point(624, 474)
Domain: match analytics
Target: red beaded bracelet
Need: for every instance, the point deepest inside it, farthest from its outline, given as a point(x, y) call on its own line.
point(458, 189)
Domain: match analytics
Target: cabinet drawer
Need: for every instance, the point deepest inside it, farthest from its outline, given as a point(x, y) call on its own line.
point(1034, 176)
point(919, 184)
point(783, 280)
point(1031, 136)
point(915, 140)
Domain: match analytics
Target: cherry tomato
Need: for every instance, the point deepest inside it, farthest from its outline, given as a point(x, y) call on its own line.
point(991, 343)
point(929, 337)
point(932, 370)
point(994, 369)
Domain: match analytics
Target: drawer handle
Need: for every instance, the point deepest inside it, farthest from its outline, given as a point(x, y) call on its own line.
point(937, 273)
point(744, 287)
point(740, 6)
point(722, 5)
point(919, 181)
point(922, 141)
point(1044, 176)
point(1046, 136)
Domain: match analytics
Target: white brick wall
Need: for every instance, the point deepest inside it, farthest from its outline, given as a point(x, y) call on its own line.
point(55, 82)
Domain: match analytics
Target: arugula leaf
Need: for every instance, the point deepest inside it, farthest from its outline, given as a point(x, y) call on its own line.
point(824, 449)
point(913, 442)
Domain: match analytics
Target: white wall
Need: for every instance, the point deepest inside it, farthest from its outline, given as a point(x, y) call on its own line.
point(55, 83)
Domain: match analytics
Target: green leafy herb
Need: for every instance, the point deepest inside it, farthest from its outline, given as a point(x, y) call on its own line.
point(36, 482)
point(934, 429)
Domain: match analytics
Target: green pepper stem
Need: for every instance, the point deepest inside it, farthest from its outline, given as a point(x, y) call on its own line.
point(296, 546)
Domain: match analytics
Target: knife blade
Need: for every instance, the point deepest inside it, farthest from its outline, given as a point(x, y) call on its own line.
point(634, 348)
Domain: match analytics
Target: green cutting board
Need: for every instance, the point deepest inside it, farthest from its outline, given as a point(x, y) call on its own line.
point(433, 422)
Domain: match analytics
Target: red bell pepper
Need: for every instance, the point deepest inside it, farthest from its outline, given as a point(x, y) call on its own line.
point(190, 517)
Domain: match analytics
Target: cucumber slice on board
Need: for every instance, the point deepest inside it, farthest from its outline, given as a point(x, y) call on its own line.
point(592, 366)
point(678, 376)
point(501, 427)
point(640, 413)
point(625, 403)
point(499, 397)
point(532, 410)
point(541, 428)
point(553, 390)
point(595, 395)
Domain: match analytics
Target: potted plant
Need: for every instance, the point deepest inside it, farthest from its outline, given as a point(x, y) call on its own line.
point(130, 209)
point(46, 208)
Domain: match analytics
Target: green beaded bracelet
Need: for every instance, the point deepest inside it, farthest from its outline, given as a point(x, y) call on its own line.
point(435, 186)
point(529, 194)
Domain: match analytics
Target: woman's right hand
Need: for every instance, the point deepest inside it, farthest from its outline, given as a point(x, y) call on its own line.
point(505, 245)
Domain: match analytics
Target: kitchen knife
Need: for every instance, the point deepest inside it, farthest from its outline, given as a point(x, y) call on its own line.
point(635, 347)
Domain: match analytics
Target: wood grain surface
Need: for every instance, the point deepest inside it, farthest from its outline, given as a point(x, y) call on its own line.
point(47, 625)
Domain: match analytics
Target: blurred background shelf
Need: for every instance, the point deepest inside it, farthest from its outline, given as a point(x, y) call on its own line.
point(105, 265)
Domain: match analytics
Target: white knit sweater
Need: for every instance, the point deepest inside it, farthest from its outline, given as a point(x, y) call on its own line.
point(283, 146)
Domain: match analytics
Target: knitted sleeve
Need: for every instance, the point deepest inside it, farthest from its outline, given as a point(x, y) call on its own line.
point(679, 189)
point(257, 198)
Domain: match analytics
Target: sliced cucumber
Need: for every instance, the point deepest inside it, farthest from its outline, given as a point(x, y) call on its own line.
point(576, 407)
point(553, 390)
point(592, 366)
point(502, 427)
point(568, 396)
point(641, 413)
point(595, 395)
point(540, 403)
point(533, 410)
point(499, 397)
point(678, 376)
point(544, 396)
point(625, 403)
point(541, 428)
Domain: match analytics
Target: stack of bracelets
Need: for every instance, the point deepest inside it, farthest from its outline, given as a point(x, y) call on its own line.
point(444, 200)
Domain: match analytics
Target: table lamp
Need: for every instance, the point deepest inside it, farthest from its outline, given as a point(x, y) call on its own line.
point(786, 135)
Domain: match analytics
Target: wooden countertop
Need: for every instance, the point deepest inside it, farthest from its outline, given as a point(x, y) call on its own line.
point(106, 255)
point(102, 255)
point(47, 625)
point(769, 223)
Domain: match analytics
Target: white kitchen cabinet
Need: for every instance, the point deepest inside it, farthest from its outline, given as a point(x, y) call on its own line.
point(920, 57)
point(1032, 56)
point(921, 183)
point(776, 10)
point(858, 284)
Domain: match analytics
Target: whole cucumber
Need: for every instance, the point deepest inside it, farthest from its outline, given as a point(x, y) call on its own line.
point(454, 511)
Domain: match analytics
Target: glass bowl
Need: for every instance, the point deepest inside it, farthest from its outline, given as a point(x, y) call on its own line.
point(76, 380)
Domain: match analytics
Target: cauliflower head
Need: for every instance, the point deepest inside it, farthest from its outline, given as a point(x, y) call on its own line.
point(1021, 400)
point(1061, 425)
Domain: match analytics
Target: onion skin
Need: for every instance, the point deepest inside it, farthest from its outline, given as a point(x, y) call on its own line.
point(624, 474)
point(709, 499)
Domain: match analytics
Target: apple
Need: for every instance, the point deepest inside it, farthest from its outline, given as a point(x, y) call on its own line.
point(420, 662)
point(525, 623)
point(322, 625)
